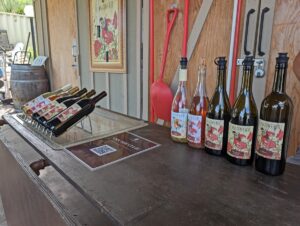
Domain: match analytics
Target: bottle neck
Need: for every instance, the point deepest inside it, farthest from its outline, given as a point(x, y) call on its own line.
point(98, 97)
point(202, 82)
point(247, 79)
point(221, 79)
point(279, 80)
point(89, 94)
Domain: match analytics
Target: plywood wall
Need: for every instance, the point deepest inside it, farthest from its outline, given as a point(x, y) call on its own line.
point(286, 38)
point(62, 25)
point(214, 39)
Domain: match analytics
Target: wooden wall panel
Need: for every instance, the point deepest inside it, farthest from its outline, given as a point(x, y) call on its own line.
point(286, 38)
point(62, 25)
point(214, 39)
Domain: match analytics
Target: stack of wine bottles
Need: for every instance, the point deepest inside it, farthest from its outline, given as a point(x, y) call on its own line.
point(59, 110)
point(236, 133)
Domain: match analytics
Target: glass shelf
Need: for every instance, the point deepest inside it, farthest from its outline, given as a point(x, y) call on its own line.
point(100, 124)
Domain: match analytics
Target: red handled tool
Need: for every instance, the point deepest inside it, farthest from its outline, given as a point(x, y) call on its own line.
point(160, 93)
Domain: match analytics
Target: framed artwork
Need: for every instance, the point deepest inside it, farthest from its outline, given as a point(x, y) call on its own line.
point(108, 35)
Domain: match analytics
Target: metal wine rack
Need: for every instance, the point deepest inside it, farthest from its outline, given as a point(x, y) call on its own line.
point(99, 124)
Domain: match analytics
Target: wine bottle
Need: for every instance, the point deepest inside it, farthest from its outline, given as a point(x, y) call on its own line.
point(179, 106)
point(243, 123)
point(73, 114)
point(274, 124)
point(42, 97)
point(56, 102)
point(62, 106)
point(218, 115)
point(197, 114)
point(49, 99)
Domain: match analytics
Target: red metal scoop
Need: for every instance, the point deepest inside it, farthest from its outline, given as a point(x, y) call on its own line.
point(160, 93)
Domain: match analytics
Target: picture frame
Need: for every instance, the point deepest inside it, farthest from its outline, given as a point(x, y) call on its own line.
point(107, 23)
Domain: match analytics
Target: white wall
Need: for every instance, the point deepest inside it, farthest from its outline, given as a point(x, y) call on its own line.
point(17, 26)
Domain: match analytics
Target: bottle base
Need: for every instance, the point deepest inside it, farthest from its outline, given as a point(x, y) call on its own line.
point(195, 146)
point(213, 152)
point(239, 162)
point(179, 140)
point(269, 166)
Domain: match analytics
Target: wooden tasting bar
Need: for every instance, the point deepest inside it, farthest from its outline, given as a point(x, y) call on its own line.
point(169, 185)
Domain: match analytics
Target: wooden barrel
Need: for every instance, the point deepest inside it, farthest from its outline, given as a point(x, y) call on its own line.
point(27, 82)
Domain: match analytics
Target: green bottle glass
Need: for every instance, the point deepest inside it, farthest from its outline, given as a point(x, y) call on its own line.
point(274, 124)
point(243, 123)
point(218, 115)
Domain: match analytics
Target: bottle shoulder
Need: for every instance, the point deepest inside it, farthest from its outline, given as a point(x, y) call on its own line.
point(277, 100)
point(219, 102)
point(277, 107)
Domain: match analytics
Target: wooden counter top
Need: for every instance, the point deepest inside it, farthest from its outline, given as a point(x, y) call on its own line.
point(176, 185)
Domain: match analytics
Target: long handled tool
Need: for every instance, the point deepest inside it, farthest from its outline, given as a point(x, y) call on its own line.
point(160, 93)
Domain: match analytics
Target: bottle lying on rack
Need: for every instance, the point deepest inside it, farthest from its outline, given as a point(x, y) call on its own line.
point(59, 124)
point(56, 102)
point(31, 104)
point(62, 106)
point(218, 115)
point(243, 123)
point(49, 99)
point(274, 124)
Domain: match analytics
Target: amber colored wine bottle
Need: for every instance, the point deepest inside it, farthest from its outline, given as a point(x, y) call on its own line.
point(218, 115)
point(56, 102)
point(179, 106)
point(49, 99)
point(73, 114)
point(31, 104)
point(274, 124)
point(243, 123)
point(197, 113)
point(63, 106)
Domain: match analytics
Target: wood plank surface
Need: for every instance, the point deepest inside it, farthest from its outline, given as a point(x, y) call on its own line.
point(24, 204)
point(175, 185)
point(76, 204)
point(214, 40)
point(286, 38)
point(62, 25)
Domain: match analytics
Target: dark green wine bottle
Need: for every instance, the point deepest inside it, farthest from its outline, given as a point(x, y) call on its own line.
point(218, 115)
point(243, 123)
point(274, 124)
point(73, 114)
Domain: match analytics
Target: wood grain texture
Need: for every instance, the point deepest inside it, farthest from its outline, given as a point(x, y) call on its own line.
point(158, 187)
point(23, 202)
point(286, 38)
point(62, 25)
point(214, 40)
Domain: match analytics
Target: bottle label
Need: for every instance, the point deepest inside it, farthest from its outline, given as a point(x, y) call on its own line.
point(214, 130)
point(239, 141)
point(183, 75)
point(47, 108)
point(194, 128)
point(41, 104)
point(33, 102)
point(69, 112)
point(179, 123)
point(270, 139)
point(54, 111)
